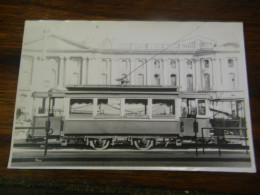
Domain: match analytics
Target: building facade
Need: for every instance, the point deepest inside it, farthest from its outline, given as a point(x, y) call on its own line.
point(194, 66)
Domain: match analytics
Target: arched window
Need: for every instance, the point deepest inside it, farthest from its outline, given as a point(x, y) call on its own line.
point(230, 63)
point(173, 80)
point(157, 79)
point(231, 80)
point(189, 82)
point(206, 63)
point(189, 64)
point(140, 79)
point(104, 79)
point(157, 64)
point(141, 64)
point(173, 64)
point(104, 64)
point(206, 81)
point(124, 64)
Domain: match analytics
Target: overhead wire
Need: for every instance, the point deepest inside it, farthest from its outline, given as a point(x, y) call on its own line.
point(122, 80)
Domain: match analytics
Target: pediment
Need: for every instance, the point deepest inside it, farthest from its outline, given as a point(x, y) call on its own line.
point(198, 43)
point(52, 43)
point(200, 39)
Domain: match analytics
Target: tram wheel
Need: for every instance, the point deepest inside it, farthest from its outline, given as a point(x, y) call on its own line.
point(144, 144)
point(99, 144)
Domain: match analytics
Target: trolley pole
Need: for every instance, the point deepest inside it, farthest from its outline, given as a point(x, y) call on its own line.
point(48, 123)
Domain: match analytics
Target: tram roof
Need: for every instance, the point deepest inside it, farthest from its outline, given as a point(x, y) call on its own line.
point(123, 88)
point(116, 89)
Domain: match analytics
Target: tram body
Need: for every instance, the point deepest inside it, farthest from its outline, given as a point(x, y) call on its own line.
point(100, 118)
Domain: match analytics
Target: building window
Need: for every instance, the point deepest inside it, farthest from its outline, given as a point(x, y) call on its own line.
point(157, 64)
point(75, 78)
point(173, 64)
point(206, 81)
point(163, 109)
point(157, 79)
point(104, 64)
point(141, 64)
point(109, 108)
point(230, 63)
point(140, 79)
point(189, 64)
point(81, 108)
point(124, 64)
point(201, 107)
point(136, 108)
point(173, 80)
point(189, 82)
point(206, 64)
point(232, 80)
point(104, 79)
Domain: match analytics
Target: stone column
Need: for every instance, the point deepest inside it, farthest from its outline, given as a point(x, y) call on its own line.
point(32, 69)
point(132, 79)
point(182, 76)
point(165, 72)
point(36, 65)
point(147, 72)
point(84, 73)
point(61, 72)
point(198, 75)
point(212, 76)
point(220, 74)
point(178, 73)
point(237, 76)
point(110, 71)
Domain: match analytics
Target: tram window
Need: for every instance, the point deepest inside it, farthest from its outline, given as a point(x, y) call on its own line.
point(201, 107)
point(109, 108)
point(189, 108)
point(58, 106)
point(163, 109)
point(42, 108)
point(136, 108)
point(240, 108)
point(81, 108)
point(192, 108)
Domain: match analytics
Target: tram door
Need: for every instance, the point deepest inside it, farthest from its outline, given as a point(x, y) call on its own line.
point(187, 119)
point(187, 129)
point(40, 117)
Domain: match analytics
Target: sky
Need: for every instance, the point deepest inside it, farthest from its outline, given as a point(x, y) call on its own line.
point(89, 32)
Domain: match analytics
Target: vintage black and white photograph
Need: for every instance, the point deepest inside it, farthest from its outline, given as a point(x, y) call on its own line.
point(132, 95)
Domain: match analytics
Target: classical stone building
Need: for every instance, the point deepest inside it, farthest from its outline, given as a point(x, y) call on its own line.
point(194, 66)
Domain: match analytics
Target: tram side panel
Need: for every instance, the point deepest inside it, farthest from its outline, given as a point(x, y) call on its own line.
point(120, 127)
point(39, 123)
